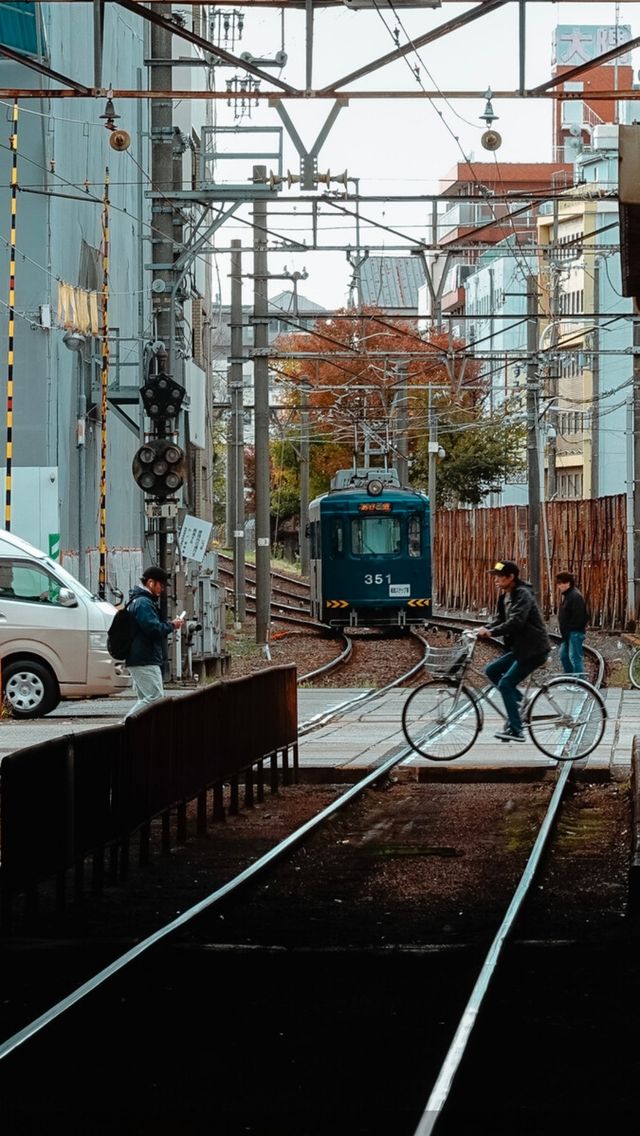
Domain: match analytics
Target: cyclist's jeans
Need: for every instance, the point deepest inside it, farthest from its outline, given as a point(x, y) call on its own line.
point(505, 673)
point(571, 653)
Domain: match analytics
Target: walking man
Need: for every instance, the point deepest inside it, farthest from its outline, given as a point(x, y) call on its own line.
point(148, 649)
point(572, 620)
point(520, 624)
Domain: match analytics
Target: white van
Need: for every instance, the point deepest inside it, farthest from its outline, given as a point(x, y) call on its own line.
point(53, 634)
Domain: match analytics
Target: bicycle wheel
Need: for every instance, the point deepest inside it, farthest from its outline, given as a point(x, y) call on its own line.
point(634, 669)
point(441, 720)
point(566, 718)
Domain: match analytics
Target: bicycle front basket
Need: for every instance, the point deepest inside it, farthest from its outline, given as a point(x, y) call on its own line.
point(444, 661)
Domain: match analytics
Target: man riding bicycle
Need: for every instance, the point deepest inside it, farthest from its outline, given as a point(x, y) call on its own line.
point(519, 622)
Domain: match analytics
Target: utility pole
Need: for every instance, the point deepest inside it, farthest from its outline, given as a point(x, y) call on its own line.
point(533, 449)
point(261, 414)
point(636, 460)
point(162, 214)
point(433, 454)
point(304, 478)
point(554, 386)
point(402, 445)
point(595, 383)
point(236, 440)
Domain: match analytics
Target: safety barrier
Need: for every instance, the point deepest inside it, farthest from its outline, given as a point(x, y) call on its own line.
point(85, 795)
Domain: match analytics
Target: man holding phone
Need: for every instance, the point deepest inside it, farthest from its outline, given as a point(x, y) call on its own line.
point(147, 652)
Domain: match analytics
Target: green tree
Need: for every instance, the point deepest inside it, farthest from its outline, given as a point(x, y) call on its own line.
point(368, 379)
point(481, 452)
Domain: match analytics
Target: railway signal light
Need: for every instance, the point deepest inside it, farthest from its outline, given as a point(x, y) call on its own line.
point(161, 396)
point(159, 467)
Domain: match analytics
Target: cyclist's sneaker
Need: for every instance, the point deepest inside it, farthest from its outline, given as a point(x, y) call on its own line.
point(509, 735)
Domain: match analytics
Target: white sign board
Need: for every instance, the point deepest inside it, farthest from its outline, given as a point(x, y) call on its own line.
point(194, 538)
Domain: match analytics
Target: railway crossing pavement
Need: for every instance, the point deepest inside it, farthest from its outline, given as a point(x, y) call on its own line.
point(370, 732)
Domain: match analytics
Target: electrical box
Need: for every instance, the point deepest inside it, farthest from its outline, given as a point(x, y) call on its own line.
point(210, 613)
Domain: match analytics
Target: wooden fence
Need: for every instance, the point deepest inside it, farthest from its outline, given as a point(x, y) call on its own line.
point(587, 538)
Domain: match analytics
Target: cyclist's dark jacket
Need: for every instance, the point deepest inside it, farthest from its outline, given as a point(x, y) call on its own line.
point(523, 630)
point(572, 613)
point(148, 646)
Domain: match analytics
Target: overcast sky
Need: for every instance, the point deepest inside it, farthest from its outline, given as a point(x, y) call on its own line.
point(404, 146)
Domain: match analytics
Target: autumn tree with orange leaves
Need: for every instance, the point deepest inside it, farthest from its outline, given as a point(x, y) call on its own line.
point(369, 381)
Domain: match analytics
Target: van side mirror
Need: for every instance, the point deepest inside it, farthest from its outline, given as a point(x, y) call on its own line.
point(67, 598)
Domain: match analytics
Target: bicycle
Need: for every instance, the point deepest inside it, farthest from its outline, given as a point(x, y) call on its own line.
point(634, 668)
point(442, 717)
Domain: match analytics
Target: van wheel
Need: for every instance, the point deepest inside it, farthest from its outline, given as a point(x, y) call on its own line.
point(30, 690)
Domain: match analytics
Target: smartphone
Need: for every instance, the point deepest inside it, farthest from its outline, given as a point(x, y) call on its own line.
point(182, 615)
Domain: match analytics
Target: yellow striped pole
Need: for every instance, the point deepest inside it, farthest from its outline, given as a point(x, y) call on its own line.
point(13, 141)
point(104, 386)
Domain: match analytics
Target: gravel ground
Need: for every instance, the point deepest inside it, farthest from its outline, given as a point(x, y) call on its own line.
point(375, 656)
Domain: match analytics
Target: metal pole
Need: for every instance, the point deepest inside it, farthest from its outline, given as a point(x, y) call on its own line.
point(80, 443)
point(636, 457)
point(261, 414)
point(631, 598)
point(595, 384)
point(162, 139)
point(104, 387)
point(433, 453)
point(236, 472)
point(13, 142)
point(533, 459)
point(304, 478)
point(552, 447)
point(402, 446)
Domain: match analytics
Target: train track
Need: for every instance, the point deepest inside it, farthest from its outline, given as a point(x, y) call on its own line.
point(281, 585)
point(252, 875)
point(264, 903)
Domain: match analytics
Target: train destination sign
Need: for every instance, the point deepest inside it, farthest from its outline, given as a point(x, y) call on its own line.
point(375, 507)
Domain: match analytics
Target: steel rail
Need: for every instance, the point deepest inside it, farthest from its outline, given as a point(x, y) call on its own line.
point(440, 1091)
point(332, 664)
point(325, 716)
point(243, 877)
point(56, 1011)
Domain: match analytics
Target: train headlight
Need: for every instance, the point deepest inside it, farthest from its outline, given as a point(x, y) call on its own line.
point(375, 487)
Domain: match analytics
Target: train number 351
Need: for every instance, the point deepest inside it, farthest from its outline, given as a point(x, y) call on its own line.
point(377, 579)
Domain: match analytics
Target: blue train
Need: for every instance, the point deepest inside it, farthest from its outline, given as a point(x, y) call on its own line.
point(370, 558)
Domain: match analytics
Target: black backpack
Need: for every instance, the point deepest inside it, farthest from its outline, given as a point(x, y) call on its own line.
point(120, 635)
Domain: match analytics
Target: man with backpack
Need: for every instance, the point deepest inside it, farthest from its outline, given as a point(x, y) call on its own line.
point(147, 652)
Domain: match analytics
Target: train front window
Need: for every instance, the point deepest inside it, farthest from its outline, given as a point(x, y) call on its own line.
point(414, 533)
point(378, 536)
